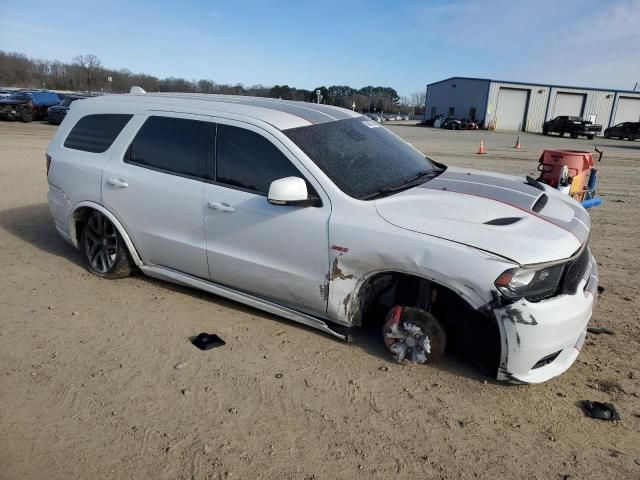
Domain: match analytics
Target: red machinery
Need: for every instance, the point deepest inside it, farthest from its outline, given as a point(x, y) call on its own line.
point(571, 172)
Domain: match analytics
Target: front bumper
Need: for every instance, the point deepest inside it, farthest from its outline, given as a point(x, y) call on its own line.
point(9, 113)
point(541, 340)
point(56, 116)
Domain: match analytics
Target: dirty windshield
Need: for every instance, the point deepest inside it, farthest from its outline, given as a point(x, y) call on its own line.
point(364, 159)
point(18, 96)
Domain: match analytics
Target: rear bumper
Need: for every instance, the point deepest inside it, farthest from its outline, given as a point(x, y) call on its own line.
point(60, 209)
point(586, 133)
point(542, 340)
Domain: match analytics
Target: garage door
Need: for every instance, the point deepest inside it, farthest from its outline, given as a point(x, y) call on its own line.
point(628, 110)
point(512, 108)
point(571, 104)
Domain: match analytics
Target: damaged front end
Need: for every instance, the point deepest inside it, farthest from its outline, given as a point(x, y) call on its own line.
point(14, 110)
point(542, 333)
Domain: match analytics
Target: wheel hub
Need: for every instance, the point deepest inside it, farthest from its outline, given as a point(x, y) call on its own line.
point(405, 340)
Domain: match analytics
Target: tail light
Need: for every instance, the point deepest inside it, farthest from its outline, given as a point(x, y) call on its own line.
point(48, 157)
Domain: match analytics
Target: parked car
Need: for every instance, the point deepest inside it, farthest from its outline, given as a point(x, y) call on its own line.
point(321, 216)
point(574, 126)
point(629, 130)
point(27, 105)
point(56, 114)
point(374, 117)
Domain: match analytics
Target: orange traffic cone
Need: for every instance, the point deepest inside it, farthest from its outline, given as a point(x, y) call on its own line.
point(481, 151)
point(517, 145)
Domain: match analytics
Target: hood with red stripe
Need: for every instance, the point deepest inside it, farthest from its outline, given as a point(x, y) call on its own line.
point(505, 215)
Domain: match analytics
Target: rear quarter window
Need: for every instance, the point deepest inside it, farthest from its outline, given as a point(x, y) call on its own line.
point(172, 145)
point(96, 133)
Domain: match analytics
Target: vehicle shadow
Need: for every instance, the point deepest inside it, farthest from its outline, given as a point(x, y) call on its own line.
point(629, 146)
point(34, 225)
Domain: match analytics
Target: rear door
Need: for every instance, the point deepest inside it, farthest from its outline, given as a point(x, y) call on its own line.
point(156, 190)
point(272, 251)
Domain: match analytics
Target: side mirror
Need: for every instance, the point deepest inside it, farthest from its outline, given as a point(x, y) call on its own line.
point(289, 191)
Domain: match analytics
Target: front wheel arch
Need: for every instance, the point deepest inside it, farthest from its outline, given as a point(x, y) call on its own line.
point(78, 216)
point(473, 328)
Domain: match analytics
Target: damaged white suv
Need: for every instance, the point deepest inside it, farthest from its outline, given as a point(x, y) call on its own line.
point(322, 216)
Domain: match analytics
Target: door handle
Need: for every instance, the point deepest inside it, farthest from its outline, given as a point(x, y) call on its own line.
point(117, 182)
point(223, 207)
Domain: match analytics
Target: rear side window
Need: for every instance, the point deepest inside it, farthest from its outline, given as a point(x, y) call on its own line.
point(174, 145)
point(96, 133)
point(247, 160)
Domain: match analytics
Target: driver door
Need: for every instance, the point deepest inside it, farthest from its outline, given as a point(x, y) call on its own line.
point(276, 252)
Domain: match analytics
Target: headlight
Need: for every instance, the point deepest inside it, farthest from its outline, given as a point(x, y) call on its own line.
point(532, 283)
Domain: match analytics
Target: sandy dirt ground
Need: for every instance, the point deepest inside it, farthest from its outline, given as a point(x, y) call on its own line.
point(89, 386)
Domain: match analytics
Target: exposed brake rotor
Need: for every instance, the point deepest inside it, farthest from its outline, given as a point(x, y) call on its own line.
point(406, 334)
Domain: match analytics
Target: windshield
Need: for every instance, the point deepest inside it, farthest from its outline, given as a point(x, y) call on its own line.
point(66, 101)
point(362, 158)
point(18, 96)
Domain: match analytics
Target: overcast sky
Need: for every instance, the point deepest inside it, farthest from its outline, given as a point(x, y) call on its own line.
point(402, 44)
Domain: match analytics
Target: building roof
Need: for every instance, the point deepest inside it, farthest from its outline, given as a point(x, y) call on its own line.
point(612, 90)
point(282, 114)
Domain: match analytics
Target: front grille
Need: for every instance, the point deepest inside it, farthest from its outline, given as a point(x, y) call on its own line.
point(574, 272)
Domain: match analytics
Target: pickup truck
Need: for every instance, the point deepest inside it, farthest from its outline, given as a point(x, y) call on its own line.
point(574, 126)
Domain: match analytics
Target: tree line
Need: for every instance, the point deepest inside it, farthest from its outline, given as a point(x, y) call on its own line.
point(87, 74)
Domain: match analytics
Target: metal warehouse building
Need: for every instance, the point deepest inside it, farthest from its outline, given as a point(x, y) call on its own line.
point(507, 105)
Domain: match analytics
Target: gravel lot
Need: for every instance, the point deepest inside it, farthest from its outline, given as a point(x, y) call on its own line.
point(89, 386)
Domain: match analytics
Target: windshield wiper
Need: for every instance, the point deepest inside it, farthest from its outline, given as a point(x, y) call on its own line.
point(408, 183)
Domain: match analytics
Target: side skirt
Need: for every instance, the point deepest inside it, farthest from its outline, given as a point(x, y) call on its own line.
point(174, 276)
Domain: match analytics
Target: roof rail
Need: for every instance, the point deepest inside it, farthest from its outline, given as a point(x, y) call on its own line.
point(137, 89)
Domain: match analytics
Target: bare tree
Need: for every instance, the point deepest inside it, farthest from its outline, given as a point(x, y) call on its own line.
point(91, 66)
point(418, 100)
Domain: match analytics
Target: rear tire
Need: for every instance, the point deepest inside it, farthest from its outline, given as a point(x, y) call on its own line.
point(104, 249)
point(561, 134)
point(573, 135)
point(632, 137)
point(607, 134)
point(590, 137)
point(545, 131)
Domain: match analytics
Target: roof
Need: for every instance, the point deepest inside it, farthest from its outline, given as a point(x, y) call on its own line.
point(282, 114)
point(612, 90)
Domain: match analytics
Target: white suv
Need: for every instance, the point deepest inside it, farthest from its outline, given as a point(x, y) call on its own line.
point(322, 216)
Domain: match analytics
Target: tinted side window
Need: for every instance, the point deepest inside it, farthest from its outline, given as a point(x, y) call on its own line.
point(248, 160)
point(173, 145)
point(96, 133)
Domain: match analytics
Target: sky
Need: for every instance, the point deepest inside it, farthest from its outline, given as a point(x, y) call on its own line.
point(404, 44)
